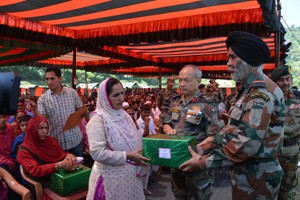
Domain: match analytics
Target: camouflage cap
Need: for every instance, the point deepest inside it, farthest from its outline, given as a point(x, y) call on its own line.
point(171, 79)
point(280, 71)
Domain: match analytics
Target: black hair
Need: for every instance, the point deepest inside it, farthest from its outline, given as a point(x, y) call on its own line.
point(91, 108)
point(54, 69)
point(201, 86)
point(25, 118)
point(136, 102)
point(109, 85)
point(145, 108)
point(127, 108)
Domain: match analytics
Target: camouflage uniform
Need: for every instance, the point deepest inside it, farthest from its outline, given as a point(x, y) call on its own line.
point(290, 150)
point(163, 103)
point(230, 100)
point(196, 118)
point(250, 141)
point(215, 94)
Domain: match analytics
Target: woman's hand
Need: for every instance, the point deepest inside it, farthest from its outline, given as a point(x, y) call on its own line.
point(137, 157)
point(71, 158)
point(69, 163)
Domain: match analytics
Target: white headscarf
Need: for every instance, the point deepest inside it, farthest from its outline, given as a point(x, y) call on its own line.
point(121, 132)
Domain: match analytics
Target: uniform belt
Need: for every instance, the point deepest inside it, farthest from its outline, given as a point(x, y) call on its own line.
point(290, 141)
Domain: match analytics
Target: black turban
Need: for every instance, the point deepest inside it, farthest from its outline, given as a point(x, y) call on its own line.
point(248, 47)
point(279, 72)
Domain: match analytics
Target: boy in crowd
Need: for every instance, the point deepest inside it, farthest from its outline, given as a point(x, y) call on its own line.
point(23, 122)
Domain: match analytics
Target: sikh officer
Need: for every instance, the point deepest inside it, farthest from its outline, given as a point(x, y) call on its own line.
point(250, 141)
point(289, 156)
point(191, 114)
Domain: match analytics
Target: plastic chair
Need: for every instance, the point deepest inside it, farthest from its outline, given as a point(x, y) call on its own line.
point(38, 186)
point(40, 191)
point(14, 185)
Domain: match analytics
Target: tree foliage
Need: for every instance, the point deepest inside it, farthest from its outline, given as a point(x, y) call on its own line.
point(293, 58)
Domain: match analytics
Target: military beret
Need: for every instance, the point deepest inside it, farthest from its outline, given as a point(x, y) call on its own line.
point(250, 48)
point(279, 72)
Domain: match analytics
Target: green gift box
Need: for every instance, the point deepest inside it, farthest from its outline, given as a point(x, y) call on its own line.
point(65, 183)
point(168, 150)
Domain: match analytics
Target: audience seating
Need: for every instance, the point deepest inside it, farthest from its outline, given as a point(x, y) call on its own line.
point(14, 185)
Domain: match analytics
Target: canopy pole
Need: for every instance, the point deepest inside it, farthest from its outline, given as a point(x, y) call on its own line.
point(278, 35)
point(159, 77)
point(74, 81)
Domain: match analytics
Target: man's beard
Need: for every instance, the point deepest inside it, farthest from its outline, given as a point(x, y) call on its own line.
point(241, 71)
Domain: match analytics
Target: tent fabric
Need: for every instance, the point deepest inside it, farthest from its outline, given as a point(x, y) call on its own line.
point(181, 51)
point(14, 51)
point(216, 71)
point(105, 21)
point(170, 56)
point(132, 33)
point(124, 17)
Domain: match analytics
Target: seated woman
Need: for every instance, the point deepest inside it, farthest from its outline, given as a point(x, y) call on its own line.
point(40, 155)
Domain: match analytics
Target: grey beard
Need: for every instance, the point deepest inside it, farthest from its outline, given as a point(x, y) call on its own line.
point(241, 71)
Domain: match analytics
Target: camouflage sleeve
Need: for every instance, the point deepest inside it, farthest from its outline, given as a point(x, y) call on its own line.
point(213, 120)
point(168, 119)
point(251, 132)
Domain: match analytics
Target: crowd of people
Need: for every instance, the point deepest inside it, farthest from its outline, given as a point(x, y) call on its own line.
point(254, 131)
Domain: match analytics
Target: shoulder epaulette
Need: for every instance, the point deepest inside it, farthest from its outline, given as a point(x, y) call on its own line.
point(257, 94)
point(205, 98)
point(258, 83)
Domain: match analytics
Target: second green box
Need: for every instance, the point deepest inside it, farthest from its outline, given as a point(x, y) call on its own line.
point(66, 183)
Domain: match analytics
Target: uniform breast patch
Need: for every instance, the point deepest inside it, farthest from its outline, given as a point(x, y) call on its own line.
point(258, 94)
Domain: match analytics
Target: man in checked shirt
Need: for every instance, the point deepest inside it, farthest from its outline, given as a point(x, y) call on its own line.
point(56, 105)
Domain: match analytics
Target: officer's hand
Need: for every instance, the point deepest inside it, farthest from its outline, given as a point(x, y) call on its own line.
point(207, 140)
point(171, 132)
point(193, 163)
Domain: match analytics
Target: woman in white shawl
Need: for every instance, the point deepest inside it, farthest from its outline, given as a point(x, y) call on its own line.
point(115, 146)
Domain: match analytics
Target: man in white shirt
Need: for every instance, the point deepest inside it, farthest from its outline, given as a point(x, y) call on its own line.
point(145, 121)
point(146, 127)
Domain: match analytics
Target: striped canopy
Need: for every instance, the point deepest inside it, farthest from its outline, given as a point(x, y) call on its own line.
point(133, 33)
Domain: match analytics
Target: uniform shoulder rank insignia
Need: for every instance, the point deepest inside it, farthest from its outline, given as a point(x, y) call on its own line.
point(257, 94)
point(205, 98)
